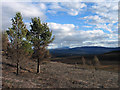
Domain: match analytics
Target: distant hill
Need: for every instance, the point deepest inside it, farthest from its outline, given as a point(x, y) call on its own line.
point(88, 50)
point(110, 56)
point(113, 52)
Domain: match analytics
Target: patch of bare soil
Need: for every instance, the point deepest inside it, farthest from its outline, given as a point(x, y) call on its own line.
point(56, 75)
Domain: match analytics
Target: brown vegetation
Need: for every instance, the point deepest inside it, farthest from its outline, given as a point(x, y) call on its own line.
point(56, 75)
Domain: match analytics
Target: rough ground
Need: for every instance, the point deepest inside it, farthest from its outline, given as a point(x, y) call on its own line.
point(56, 75)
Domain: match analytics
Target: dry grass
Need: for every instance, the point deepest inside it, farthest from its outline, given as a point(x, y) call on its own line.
point(111, 68)
point(56, 75)
point(103, 65)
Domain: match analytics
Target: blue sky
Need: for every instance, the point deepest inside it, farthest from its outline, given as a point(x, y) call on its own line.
point(73, 23)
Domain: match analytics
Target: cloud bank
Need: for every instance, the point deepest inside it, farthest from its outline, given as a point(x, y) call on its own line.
point(102, 19)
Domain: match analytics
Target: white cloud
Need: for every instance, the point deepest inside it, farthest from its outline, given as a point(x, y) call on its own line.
point(108, 10)
point(28, 10)
point(108, 43)
point(61, 27)
point(43, 6)
point(95, 19)
point(73, 12)
point(106, 16)
point(72, 8)
point(87, 26)
point(27, 25)
point(74, 5)
point(55, 5)
point(100, 23)
point(51, 46)
point(67, 35)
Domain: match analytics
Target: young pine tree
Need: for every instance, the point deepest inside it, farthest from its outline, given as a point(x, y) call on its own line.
point(18, 42)
point(41, 36)
point(96, 61)
point(4, 42)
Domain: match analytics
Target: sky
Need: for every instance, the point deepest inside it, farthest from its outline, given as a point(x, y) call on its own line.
point(74, 23)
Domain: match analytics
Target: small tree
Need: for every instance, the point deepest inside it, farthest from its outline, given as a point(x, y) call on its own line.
point(96, 61)
point(83, 60)
point(41, 36)
point(4, 41)
point(18, 41)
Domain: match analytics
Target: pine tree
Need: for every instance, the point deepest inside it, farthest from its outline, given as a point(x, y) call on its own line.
point(41, 36)
point(4, 42)
point(96, 61)
point(18, 41)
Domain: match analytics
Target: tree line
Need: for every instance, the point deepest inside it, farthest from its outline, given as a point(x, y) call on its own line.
point(20, 43)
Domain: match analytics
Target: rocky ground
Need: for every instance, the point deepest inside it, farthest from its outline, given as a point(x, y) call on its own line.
point(57, 75)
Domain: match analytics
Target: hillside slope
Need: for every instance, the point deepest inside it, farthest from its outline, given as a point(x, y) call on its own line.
point(56, 75)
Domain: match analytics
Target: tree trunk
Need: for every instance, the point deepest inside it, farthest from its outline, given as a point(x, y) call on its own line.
point(17, 67)
point(38, 66)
